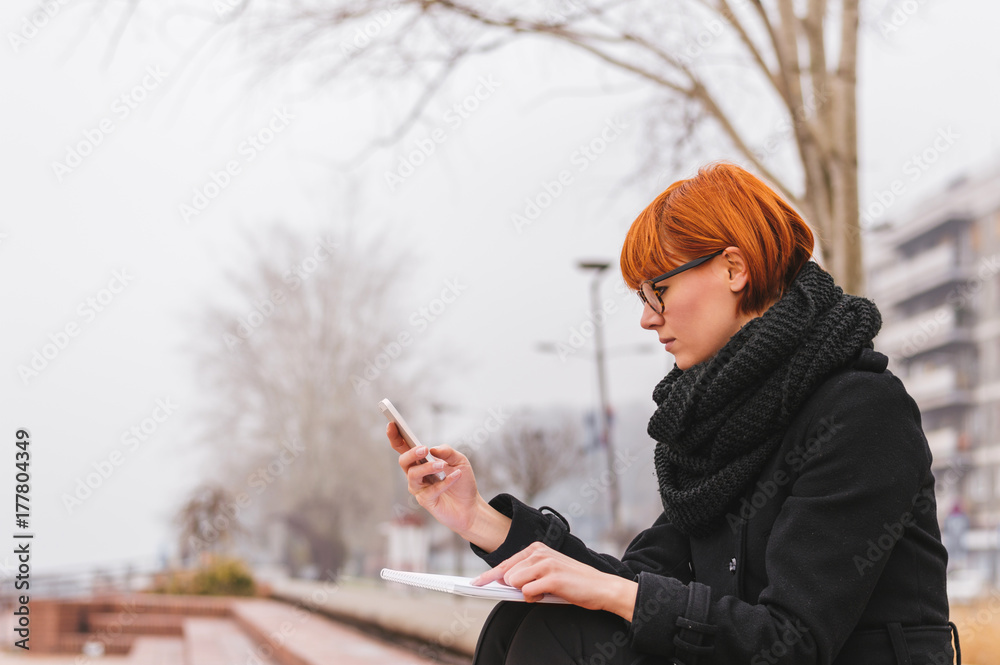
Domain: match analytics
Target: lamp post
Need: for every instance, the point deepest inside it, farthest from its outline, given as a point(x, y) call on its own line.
point(458, 545)
point(614, 494)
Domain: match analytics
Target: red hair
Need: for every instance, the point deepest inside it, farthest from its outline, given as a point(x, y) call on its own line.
point(723, 206)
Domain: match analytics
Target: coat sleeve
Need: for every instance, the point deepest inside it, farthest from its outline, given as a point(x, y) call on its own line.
point(661, 548)
point(848, 506)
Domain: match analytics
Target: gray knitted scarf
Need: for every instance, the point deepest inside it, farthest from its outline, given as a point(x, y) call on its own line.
point(718, 422)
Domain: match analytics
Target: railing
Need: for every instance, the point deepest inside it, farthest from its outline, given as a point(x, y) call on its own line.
point(92, 580)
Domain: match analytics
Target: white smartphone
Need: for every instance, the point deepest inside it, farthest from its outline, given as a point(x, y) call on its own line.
point(392, 415)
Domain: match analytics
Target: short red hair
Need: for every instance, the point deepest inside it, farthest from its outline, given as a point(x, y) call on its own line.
point(724, 205)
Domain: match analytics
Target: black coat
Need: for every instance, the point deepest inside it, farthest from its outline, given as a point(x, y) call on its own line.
point(834, 555)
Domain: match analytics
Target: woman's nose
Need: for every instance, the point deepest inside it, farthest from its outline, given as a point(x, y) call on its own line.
point(650, 319)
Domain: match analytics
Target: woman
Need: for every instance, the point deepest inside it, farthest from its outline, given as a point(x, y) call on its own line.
point(799, 521)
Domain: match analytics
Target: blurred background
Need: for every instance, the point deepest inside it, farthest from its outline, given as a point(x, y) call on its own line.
point(229, 228)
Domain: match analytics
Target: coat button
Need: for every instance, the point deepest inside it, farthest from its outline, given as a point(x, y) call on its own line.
point(732, 565)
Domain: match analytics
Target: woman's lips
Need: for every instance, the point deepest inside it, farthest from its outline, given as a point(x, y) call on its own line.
point(667, 343)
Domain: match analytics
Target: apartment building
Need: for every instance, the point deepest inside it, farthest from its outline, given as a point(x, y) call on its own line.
point(935, 275)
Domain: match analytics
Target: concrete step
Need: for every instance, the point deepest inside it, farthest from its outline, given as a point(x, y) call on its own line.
point(155, 650)
point(298, 637)
point(73, 643)
point(213, 641)
point(111, 623)
point(444, 622)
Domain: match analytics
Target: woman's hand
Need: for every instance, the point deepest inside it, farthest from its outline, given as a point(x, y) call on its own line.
point(538, 569)
point(454, 501)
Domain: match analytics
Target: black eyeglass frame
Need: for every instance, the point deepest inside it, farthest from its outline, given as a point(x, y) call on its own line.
point(659, 291)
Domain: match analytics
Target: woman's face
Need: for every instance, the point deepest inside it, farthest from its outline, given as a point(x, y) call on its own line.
point(700, 309)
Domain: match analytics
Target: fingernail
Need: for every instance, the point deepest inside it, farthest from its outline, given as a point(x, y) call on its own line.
point(438, 465)
point(475, 580)
point(421, 451)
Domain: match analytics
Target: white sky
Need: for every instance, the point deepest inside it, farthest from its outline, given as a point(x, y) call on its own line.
point(62, 242)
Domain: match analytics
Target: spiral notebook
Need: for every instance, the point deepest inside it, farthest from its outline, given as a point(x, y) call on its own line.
point(462, 586)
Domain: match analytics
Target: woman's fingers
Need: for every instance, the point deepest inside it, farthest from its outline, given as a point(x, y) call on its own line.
point(433, 488)
point(412, 457)
point(420, 475)
point(496, 574)
point(395, 439)
point(448, 454)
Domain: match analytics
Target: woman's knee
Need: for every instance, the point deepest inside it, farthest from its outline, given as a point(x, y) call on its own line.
point(567, 634)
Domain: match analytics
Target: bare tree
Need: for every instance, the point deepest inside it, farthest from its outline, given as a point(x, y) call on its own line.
point(291, 375)
point(529, 455)
point(793, 59)
point(205, 522)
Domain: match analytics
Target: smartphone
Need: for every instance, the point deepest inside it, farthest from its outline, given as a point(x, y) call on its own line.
point(392, 415)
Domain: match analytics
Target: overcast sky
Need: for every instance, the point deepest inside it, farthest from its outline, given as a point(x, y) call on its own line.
point(99, 255)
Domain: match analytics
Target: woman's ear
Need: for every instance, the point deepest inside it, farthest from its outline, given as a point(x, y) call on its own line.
point(736, 269)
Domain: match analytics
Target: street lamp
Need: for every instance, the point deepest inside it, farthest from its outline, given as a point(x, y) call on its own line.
point(614, 495)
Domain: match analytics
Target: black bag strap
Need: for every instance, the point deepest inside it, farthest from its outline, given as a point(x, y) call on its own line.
point(899, 644)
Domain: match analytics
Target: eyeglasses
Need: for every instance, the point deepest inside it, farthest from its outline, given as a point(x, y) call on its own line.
point(650, 294)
